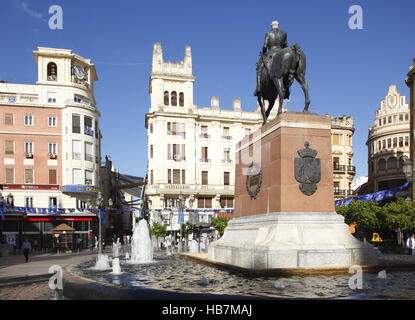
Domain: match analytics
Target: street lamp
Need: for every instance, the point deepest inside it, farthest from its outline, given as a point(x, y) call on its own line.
point(98, 204)
point(10, 200)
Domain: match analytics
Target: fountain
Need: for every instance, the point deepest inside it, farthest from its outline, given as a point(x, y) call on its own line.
point(194, 246)
point(102, 263)
point(116, 269)
point(127, 256)
point(141, 245)
point(116, 248)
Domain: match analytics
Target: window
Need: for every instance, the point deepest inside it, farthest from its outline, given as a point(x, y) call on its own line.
point(8, 119)
point(183, 176)
point(28, 176)
point(226, 178)
point(52, 71)
point(389, 143)
point(28, 201)
point(9, 147)
point(384, 144)
point(76, 123)
point(176, 152)
point(28, 147)
point(204, 154)
point(204, 132)
point(76, 150)
point(395, 142)
point(406, 141)
point(166, 98)
point(53, 148)
point(401, 117)
point(380, 144)
point(53, 176)
point(80, 204)
point(151, 128)
point(53, 202)
point(204, 202)
point(226, 132)
point(389, 119)
point(52, 121)
point(382, 164)
point(337, 139)
point(336, 186)
point(406, 117)
point(51, 97)
point(247, 132)
point(384, 120)
point(151, 177)
point(181, 99)
point(380, 122)
point(204, 177)
point(9, 176)
point(400, 142)
point(89, 156)
point(151, 151)
point(227, 155)
point(96, 129)
point(226, 202)
point(176, 176)
point(88, 126)
point(76, 176)
point(174, 98)
point(28, 120)
point(169, 176)
point(88, 177)
point(392, 163)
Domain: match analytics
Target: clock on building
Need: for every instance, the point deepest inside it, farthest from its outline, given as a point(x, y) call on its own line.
point(79, 72)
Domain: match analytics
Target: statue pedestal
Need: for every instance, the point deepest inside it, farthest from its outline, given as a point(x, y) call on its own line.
point(277, 225)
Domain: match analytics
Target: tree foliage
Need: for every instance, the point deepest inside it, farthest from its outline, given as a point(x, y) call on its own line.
point(220, 224)
point(158, 230)
point(373, 217)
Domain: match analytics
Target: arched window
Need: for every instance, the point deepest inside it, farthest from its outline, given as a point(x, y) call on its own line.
point(52, 71)
point(166, 98)
point(174, 98)
point(392, 163)
point(382, 164)
point(401, 161)
point(181, 99)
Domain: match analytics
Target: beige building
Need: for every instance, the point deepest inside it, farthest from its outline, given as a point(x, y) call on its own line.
point(342, 130)
point(191, 149)
point(387, 142)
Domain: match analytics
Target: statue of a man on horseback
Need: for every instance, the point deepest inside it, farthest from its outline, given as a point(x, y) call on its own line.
point(277, 68)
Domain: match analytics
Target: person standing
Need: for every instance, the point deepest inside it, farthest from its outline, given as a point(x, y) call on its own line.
point(78, 244)
point(27, 246)
point(410, 244)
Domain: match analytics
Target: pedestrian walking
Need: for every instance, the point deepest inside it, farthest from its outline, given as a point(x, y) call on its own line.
point(78, 244)
point(410, 244)
point(96, 242)
point(27, 246)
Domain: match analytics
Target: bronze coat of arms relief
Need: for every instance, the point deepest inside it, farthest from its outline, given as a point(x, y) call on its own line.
point(254, 179)
point(307, 169)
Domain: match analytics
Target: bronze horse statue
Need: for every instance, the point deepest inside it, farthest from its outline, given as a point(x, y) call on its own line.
point(277, 77)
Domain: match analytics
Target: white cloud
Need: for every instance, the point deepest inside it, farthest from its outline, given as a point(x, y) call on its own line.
point(24, 5)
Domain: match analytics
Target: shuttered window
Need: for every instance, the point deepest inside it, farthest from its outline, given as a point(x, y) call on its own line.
point(204, 177)
point(53, 176)
point(8, 119)
point(9, 176)
point(226, 178)
point(9, 147)
point(204, 202)
point(176, 176)
point(28, 176)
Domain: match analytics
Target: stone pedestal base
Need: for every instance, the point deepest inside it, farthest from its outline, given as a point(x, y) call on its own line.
point(282, 240)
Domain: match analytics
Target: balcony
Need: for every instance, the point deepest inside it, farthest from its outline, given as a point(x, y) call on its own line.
point(76, 156)
point(205, 160)
point(167, 188)
point(227, 161)
point(351, 168)
point(204, 135)
point(89, 157)
point(337, 167)
point(339, 192)
point(227, 137)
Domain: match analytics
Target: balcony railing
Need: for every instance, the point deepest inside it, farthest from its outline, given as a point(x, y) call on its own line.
point(226, 161)
point(204, 160)
point(227, 137)
point(204, 135)
point(351, 168)
point(339, 192)
point(89, 157)
point(338, 167)
point(186, 188)
point(76, 155)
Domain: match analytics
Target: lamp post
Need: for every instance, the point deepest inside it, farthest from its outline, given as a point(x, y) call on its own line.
point(98, 204)
point(170, 205)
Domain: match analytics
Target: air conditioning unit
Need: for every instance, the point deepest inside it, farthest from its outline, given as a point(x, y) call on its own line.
point(29, 155)
point(53, 155)
point(177, 157)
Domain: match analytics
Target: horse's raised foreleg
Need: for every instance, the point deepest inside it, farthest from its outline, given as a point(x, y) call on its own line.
point(270, 106)
point(304, 85)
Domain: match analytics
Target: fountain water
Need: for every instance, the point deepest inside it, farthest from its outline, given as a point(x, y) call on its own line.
point(116, 248)
point(194, 246)
point(102, 263)
point(127, 256)
point(116, 269)
point(141, 245)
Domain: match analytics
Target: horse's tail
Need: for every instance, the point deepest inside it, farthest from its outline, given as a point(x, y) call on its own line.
point(300, 59)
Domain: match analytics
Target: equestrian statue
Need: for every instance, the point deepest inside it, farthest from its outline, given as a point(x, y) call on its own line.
point(277, 68)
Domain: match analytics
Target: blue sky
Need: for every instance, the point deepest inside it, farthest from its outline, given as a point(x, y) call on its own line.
point(348, 71)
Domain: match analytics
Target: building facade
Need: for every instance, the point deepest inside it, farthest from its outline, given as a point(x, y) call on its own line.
point(191, 150)
point(50, 139)
point(410, 82)
point(388, 142)
point(342, 130)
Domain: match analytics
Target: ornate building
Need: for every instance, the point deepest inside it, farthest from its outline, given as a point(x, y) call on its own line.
point(410, 82)
point(191, 149)
point(51, 143)
point(342, 131)
point(387, 142)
